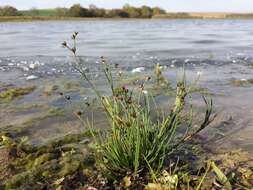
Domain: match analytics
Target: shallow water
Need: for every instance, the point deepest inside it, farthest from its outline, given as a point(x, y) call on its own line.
point(219, 50)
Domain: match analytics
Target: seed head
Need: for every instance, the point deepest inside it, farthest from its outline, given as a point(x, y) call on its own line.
point(87, 104)
point(124, 89)
point(120, 98)
point(129, 101)
point(134, 115)
point(73, 50)
point(74, 35)
point(64, 44)
point(79, 113)
point(102, 59)
point(142, 87)
point(148, 78)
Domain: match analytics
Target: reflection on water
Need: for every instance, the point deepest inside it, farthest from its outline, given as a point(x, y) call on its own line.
point(220, 51)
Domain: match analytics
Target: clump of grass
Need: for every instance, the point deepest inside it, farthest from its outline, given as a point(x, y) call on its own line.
point(137, 141)
point(160, 79)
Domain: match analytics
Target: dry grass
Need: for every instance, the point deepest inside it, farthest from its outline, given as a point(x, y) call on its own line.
point(206, 15)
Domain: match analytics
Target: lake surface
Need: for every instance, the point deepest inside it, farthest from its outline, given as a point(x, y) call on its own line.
point(219, 50)
point(162, 38)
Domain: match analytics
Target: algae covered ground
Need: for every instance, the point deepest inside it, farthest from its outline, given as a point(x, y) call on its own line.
point(69, 163)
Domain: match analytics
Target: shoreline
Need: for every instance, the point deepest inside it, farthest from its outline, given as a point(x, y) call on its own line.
point(165, 17)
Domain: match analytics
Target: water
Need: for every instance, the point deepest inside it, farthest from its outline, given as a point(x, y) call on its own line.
point(127, 42)
point(219, 50)
point(162, 38)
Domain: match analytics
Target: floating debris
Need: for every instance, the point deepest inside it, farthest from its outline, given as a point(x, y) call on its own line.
point(138, 70)
point(32, 77)
point(23, 62)
point(11, 64)
point(173, 61)
point(33, 66)
point(187, 60)
point(25, 69)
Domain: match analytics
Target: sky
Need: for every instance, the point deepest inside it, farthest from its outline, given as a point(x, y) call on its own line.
point(169, 5)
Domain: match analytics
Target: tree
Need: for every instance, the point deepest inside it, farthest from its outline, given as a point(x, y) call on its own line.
point(9, 11)
point(133, 12)
point(158, 11)
point(94, 11)
point(146, 12)
point(117, 13)
point(61, 11)
point(93, 7)
point(126, 7)
point(77, 11)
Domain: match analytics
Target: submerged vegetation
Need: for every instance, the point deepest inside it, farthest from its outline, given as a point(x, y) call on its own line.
point(9, 93)
point(242, 82)
point(45, 166)
point(141, 148)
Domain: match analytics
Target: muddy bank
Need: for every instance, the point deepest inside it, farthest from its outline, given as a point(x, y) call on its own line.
point(69, 163)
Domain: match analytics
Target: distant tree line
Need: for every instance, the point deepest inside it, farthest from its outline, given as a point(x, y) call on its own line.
point(8, 11)
point(77, 10)
point(126, 12)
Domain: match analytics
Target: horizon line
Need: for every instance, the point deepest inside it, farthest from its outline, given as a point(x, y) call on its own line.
point(167, 10)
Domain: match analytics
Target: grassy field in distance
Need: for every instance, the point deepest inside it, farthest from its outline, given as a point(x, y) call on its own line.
point(39, 12)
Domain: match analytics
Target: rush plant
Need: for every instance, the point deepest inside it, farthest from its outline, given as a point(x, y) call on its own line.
point(139, 139)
